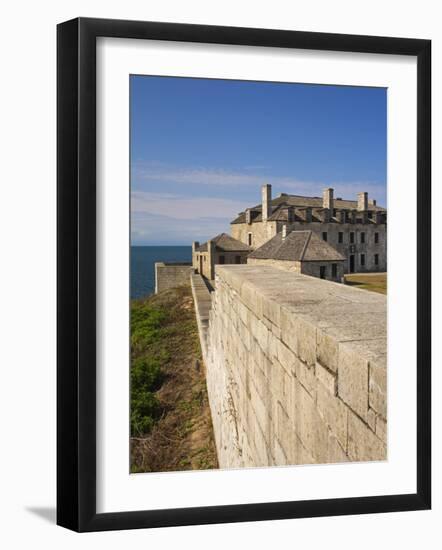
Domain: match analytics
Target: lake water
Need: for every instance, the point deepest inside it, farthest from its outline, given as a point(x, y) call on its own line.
point(142, 265)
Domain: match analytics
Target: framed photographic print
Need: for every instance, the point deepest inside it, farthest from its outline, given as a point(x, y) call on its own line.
point(230, 202)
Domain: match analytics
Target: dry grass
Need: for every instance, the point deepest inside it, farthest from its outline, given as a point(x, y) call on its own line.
point(375, 282)
point(182, 438)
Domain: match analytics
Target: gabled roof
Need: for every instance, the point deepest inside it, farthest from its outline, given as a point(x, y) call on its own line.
point(301, 246)
point(280, 204)
point(225, 243)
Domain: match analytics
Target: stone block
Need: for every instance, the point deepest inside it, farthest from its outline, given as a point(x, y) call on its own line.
point(353, 379)
point(286, 357)
point(335, 453)
point(378, 388)
point(334, 412)
point(310, 427)
point(288, 330)
point(279, 456)
point(262, 450)
point(381, 429)
point(261, 335)
point(327, 350)
point(306, 376)
point(363, 444)
point(306, 341)
point(281, 385)
point(271, 310)
point(371, 419)
point(285, 433)
point(327, 378)
point(261, 407)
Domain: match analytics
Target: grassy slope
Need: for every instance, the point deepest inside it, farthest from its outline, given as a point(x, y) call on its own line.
point(170, 418)
point(376, 282)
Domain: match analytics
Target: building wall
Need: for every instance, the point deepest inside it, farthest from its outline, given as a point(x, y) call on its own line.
point(289, 381)
point(307, 268)
point(171, 275)
point(206, 265)
point(261, 232)
point(294, 267)
point(368, 249)
point(313, 269)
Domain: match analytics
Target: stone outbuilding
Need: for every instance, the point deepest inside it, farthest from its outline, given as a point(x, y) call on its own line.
point(222, 249)
point(300, 252)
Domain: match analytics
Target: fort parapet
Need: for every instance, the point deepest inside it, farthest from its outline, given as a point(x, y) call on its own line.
point(171, 275)
point(296, 369)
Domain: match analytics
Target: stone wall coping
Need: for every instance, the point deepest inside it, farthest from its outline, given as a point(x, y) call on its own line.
point(345, 314)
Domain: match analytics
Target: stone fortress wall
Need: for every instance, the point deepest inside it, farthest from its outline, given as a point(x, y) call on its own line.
point(296, 369)
point(171, 275)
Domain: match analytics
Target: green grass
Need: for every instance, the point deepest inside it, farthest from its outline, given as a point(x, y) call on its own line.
point(148, 356)
point(376, 282)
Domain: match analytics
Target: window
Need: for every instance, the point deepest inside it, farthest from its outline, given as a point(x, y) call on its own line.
point(249, 239)
point(237, 259)
point(362, 237)
point(340, 237)
point(322, 271)
point(334, 270)
point(362, 259)
point(222, 259)
point(352, 237)
point(376, 259)
point(324, 236)
point(376, 238)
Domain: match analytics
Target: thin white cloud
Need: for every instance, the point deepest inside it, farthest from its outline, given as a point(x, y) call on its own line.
point(156, 172)
point(155, 229)
point(184, 208)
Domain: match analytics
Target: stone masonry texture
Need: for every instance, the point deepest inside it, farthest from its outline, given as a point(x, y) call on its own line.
point(171, 275)
point(296, 369)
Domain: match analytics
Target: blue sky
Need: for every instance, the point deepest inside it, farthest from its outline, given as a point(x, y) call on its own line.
point(201, 149)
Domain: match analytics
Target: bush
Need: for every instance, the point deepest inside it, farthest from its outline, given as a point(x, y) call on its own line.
point(144, 407)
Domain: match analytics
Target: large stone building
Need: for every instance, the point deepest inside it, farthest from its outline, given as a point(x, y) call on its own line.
point(300, 252)
point(222, 249)
point(356, 229)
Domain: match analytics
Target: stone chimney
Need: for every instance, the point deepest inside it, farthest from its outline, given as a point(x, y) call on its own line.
point(266, 194)
point(290, 214)
point(248, 216)
point(327, 199)
point(305, 213)
point(362, 201)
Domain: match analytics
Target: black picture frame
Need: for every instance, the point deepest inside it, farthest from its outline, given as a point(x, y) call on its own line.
point(76, 274)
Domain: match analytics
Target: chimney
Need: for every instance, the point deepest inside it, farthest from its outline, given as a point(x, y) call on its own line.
point(327, 199)
point(362, 201)
point(248, 216)
point(266, 194)
point(306, 213)
point(372, 202)
point(290, 214)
